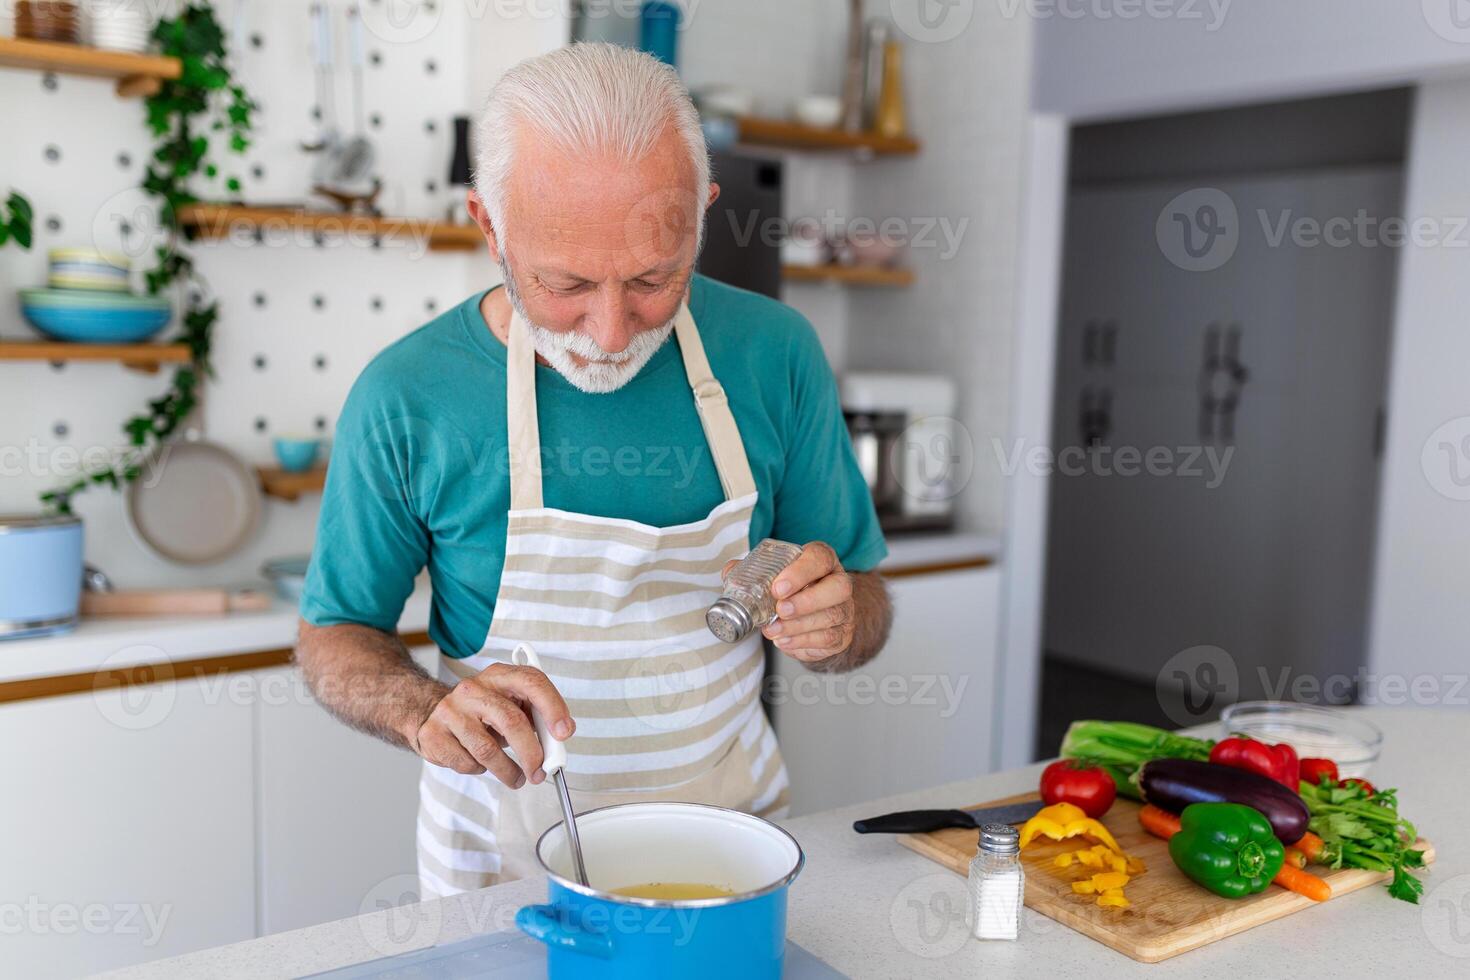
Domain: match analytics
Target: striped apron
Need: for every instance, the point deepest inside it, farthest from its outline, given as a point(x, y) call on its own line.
point(664, 710)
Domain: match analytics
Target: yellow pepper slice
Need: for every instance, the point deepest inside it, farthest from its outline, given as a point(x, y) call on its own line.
point(1109, 880)
point(1061, 821)
point(1083, 888)
point(1065, 859)
point(1113, 898)
point(1089, 859)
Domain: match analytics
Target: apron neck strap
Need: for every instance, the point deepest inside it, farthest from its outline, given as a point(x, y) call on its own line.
point(523, 430)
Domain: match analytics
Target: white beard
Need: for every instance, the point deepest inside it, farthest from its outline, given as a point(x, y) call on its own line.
point(603, 373)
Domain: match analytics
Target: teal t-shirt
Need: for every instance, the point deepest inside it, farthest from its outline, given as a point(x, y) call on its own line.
point(420, 470)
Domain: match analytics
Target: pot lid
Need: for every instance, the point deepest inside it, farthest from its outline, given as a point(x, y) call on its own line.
point(17, 522)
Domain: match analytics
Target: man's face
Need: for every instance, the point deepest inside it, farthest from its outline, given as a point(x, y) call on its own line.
point(599, 254)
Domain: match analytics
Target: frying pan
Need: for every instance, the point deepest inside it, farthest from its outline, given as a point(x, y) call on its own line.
point(195, 503)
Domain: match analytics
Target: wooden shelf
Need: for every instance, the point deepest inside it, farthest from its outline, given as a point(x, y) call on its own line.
point(147, 358)
point(794, 136)
point(851, 275)
point(276, 482)
point(212, 221)
point(136, 74)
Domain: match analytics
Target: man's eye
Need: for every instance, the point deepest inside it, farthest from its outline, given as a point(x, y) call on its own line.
point(647, 285)
point(570, 290)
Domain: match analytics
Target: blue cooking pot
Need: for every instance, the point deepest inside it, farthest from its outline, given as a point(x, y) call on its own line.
point(40, 574)
point(590, 932)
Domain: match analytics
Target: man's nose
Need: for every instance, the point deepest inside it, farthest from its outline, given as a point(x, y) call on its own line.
point(611, 327)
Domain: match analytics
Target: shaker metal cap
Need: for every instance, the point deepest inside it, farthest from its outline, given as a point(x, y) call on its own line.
point(728, 620)
point(1000, 838)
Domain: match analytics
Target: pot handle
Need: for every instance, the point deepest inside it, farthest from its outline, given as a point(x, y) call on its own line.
point(546, 924)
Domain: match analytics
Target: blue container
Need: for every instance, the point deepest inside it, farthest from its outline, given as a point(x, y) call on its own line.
point(658, 32)
point(590, 932)
point(297, 454)
point(40, 575)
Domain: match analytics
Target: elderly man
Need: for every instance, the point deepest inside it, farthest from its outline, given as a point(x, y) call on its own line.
point(575, 479)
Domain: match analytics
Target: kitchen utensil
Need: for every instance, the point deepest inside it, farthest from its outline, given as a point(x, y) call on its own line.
point(658, 31)
point(194, 503)
point(287, 576)
point(891, 118)
point(93, 316)
point(739, 936)
point(328, 139)
point(852, 73)
point(874, 437)
point(86, 268)
point(345, 171)
point(930, 459)
point(1314, 731)
point(169, 602)
point(297, 454)
point(1170, 914)
point(818, 111)
point(874, 44)
point(553, 763)
point(47, 20)
point(725, 101)
point(927, 821)
point(40, 574)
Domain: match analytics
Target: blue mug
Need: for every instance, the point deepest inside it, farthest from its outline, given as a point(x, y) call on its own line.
point(297, 455)
point(591, 932)
point(658, 32)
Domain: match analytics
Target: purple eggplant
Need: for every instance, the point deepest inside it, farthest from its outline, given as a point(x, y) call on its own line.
point(1173, 784)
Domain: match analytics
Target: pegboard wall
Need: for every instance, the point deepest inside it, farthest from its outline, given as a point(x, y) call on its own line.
point(299, 318)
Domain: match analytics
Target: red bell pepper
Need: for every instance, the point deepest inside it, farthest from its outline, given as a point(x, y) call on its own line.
point(1278, 762)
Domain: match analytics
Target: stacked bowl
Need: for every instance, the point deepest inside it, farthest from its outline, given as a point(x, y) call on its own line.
point(88, 301)
point(46, 20)
point(119, 25)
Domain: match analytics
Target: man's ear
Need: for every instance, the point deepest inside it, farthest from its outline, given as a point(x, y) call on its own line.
point(481, 217)
point(714, 195)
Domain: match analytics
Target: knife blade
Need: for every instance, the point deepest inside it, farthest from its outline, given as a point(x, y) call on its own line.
point(925, 821)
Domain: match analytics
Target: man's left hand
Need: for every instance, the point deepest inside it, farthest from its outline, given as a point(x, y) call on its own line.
point(815, 613)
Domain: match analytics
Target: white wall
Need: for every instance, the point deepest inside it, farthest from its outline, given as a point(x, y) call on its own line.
point(1214, 52)
point(967, 102)
point(1418, 625)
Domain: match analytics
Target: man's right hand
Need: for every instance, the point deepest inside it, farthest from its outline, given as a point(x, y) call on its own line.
point(469, 728)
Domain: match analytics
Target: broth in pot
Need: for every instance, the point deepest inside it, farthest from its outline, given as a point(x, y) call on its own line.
point(673, 891)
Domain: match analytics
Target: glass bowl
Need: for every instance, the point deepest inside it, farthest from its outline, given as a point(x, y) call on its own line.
point(1315, 732)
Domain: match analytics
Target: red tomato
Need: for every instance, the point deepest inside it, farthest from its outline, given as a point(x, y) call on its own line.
point(1079, 783)
point(1367, 786)
point(1312, 771)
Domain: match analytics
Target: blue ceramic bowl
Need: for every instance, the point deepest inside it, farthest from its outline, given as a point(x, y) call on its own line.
point(297, 455)
point(594, 933)
point(94, 317)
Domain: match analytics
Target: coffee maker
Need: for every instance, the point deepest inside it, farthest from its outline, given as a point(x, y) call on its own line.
point(906, 439)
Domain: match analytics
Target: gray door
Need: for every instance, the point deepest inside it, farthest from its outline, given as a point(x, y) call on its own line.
point(1269, 369)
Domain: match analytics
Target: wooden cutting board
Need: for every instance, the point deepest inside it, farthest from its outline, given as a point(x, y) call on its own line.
point(1170, 914)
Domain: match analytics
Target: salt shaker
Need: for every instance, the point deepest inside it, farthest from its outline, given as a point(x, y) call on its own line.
point(997, 884)
point(749, 602)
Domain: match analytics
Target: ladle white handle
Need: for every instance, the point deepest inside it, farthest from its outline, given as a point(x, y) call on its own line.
point(555, 752)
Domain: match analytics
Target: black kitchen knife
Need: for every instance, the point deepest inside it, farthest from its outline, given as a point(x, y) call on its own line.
point(924, 821)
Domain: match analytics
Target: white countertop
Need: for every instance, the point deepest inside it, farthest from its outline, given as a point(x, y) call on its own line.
point(857, 901)
point(117, 642)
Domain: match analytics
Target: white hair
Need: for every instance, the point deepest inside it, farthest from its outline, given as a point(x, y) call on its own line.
point(589, 98)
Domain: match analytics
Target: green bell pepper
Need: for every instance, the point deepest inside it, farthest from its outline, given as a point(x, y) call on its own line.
point(1227, 847)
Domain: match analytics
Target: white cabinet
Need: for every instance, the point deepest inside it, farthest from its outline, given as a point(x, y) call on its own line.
point(923, 713)
point(128, 827)
point(337, 810)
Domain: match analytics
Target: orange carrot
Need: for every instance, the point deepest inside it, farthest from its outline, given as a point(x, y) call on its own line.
point(1160, 823)
point(1303, 883)
point(1295, 858)
point(1310, 845)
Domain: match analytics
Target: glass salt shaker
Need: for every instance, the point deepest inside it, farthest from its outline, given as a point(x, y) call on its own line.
point(748, 602)
point(997, 884)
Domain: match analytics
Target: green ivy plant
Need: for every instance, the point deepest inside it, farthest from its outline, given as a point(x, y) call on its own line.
point(15, 220)
point(186, 116)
